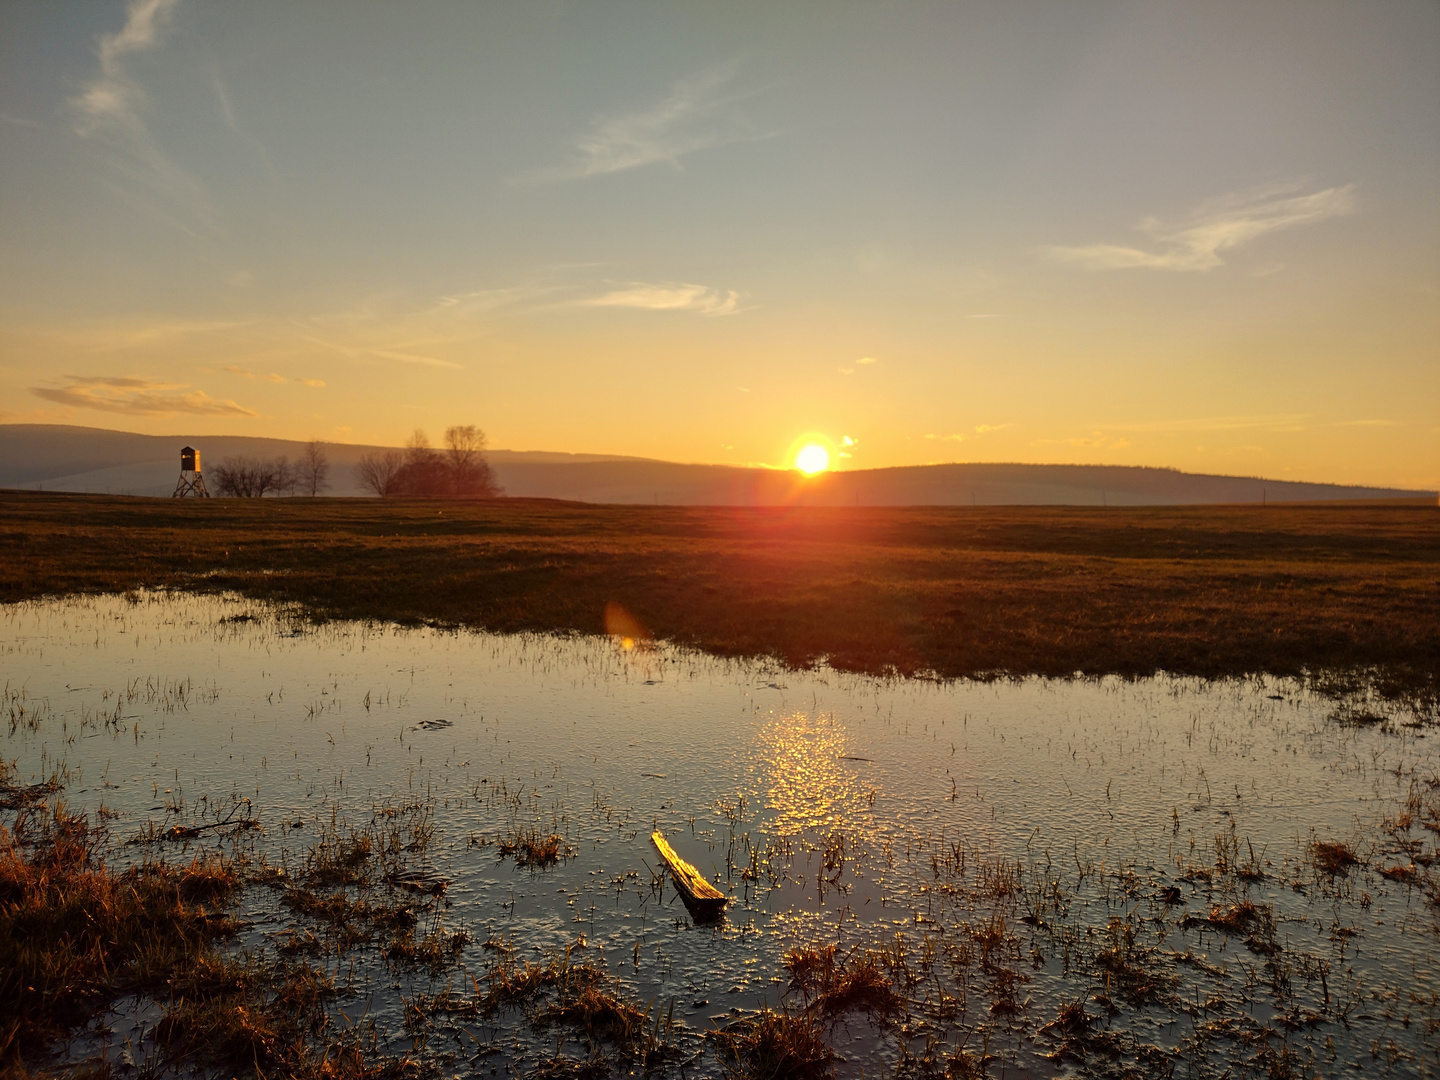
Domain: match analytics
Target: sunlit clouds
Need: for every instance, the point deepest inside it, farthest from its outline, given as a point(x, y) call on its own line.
point(700, 112)
point(1216, 226)
point(269, 376)
point(964, 436)
point(111, 110)
point(694, 234)
point(113, 97)
point(137, 397)
point(668, 297)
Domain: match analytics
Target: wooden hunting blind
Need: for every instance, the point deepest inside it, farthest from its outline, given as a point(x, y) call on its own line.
point(191, 483)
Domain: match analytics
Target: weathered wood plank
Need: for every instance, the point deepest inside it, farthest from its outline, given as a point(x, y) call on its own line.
point(703, 899)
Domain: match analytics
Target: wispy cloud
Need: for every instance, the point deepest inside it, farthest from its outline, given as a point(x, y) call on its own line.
point(136, 397)
point(272, 376)
point(110, 108)
point(1214, 227)
point(963, 436)
point(400, 356)
point(113, 96)
point(670, 296)
point(698, 113)
point(20, 121)
point(1370, 423)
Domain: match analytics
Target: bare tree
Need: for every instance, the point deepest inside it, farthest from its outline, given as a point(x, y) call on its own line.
point(252, 478)
point(421, 470)
point(378, 471)
point(313, 468)
point(424, 470)
point(285, 477)
point(470, 473)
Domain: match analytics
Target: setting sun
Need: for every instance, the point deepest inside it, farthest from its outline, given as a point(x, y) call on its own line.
point(812, 458)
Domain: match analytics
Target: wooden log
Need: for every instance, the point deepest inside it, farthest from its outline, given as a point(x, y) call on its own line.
point(704, 901)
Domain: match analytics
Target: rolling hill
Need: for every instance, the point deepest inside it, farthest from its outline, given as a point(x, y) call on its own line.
point(83, 459)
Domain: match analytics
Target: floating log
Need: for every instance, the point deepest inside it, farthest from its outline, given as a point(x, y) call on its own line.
point(704, 901)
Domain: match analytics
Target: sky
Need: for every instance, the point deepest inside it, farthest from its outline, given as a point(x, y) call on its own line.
point(1204, 236)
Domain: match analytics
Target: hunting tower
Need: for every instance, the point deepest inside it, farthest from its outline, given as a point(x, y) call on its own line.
point(191, 482)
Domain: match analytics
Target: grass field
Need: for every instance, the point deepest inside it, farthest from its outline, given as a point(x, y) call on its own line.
point(954, 591)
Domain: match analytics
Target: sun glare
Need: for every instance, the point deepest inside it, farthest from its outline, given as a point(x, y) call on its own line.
point(812, 458)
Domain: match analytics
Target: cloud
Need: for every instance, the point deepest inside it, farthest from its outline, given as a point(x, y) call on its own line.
point(867, 360)
point(696, 115)
point(360, 352)
point(961, 436)
point(110, 109)
point(113, 96)
point(275, 377)
point(20, 121)
point(1214, 227)
point(1370, 423)
point(136, 397)
point(675, 296)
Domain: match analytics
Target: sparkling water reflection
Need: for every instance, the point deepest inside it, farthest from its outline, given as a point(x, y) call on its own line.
point(1008, 848)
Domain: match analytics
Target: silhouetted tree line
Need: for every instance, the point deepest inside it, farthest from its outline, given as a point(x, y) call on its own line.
point(458, 470)
point(254, 478)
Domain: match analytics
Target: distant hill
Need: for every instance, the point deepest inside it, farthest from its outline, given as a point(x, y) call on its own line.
point(63, 458)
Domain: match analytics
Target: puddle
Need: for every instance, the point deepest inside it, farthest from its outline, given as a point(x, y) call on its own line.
point(1056, 876)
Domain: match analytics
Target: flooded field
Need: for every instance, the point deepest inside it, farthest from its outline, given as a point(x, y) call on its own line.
point(1033, 878)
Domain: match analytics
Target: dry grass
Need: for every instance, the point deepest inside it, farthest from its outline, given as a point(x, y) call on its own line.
point(831, 988)
point(1333, 856)
point(1210, 591)
point(565, 993)
point(73, 934)
point(531, 848)
point(774, 1045)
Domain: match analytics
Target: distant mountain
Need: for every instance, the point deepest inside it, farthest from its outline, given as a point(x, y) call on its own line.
point(61, 458)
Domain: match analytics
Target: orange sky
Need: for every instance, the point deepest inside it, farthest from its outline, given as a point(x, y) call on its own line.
point(1202, 236)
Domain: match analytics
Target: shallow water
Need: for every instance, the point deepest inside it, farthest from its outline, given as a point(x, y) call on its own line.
point(835, 809)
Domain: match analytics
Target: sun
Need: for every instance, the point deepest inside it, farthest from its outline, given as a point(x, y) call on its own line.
point(812, 458)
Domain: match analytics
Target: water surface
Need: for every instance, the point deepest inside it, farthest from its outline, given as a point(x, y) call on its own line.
point(1011, 846)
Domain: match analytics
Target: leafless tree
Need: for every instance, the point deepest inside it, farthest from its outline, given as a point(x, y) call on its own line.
point(421, 470)
point(252, 478)
point(286, 477)
point(313, 468)
point(379, 471)
point(470, 473)
point(424, 471)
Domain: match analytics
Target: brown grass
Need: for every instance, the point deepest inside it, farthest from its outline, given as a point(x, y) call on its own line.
point(1210, 591)
point(73, 934)
point(774, 1045)
point(832, 987)
point(531, 848)
point(1333, 856)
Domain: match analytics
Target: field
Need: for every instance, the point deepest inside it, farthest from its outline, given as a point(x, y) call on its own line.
point(1208, 591)
point(439, 842)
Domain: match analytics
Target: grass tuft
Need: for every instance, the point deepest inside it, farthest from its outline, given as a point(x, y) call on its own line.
point(1333, 856)
point(73, 934)
point(774, 1045)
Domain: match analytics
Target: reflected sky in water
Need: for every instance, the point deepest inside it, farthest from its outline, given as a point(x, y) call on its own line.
point(833, 808)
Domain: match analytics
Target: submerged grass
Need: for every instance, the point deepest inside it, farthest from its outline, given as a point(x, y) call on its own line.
point(73, 934)
point(1208, 591)
point(774, 1045)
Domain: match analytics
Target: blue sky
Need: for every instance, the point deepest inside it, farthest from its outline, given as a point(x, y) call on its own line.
point(1204, 236)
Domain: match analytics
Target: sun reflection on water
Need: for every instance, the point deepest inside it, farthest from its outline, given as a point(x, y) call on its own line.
point(807, 783)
